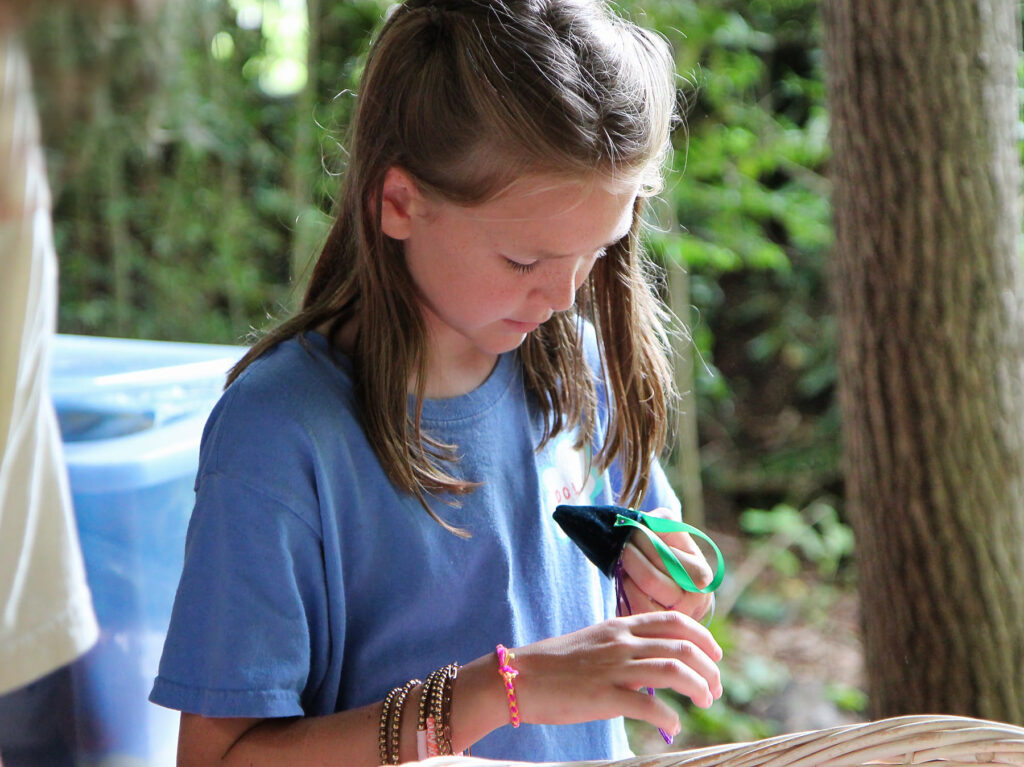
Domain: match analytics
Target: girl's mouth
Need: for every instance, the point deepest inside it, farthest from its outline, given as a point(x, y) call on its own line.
point(523, 327)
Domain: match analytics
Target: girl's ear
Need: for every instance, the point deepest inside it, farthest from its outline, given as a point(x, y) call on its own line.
point(399, 201)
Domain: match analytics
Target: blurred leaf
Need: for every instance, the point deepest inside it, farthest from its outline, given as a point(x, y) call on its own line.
point(847, 698)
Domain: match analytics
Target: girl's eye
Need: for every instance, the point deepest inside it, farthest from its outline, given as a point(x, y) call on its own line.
point(519, 267)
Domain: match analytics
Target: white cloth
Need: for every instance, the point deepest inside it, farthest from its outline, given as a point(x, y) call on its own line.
point(46, 613)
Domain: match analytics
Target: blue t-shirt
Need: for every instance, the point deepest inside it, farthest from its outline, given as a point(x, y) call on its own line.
point(312, 585)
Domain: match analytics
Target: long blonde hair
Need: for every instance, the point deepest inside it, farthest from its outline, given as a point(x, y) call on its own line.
point(466, 96)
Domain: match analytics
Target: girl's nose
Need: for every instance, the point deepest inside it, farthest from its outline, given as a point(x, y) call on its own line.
point(560, 285)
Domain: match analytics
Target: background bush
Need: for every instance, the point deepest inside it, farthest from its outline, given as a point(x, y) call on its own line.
point(193, 176)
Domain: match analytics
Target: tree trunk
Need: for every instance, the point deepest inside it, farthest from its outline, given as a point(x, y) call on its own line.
point(928, 296)
point(685, 464)
point(304, 165)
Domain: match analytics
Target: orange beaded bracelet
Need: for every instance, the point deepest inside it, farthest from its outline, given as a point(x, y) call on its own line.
point(508, 674)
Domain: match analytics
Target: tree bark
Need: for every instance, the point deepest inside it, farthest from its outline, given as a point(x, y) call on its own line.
point(303, 164)
point(928, 291)
point(685, 464)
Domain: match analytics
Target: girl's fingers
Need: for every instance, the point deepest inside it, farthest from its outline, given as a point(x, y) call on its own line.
point(652, 581)
point(660, 591)
point(663, 589)
point(674, 626)
point(689, 556)
point(695, 665)
point(682, 541)
point(607, 663)
point(647, 708)
point(639, 602)
point(665, 672)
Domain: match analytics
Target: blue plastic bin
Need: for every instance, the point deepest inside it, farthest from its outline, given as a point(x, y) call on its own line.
point(131, 414)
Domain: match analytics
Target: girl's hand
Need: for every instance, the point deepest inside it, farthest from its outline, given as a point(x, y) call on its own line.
point(649, 587)
point(600, 672)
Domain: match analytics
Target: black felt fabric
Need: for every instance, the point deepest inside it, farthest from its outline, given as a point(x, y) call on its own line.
point(593, 529)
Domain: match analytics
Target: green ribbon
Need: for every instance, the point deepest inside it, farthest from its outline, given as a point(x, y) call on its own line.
point(650, 525)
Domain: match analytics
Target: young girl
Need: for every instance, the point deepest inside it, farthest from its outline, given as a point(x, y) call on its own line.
point(479, 343)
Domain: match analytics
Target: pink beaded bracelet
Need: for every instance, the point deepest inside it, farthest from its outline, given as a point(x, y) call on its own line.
point(505, 656)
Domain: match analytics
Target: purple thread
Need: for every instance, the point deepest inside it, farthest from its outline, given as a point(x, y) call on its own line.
point(621, 600)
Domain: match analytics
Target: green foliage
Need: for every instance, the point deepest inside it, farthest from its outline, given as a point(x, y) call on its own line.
point(815, 535)
point(751, 677)
point(847, 698)
point(723, 723)
point(751, 200)
point(189, 202)
point(764, 606)
point(184, 190)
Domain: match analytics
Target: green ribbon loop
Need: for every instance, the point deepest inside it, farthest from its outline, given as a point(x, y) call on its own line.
point(650, 525)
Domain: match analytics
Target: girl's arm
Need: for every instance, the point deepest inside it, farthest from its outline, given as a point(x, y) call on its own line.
point(347, 738)
point(594, 673)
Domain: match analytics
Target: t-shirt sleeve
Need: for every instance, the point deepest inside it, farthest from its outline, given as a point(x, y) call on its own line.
point(241, 639)
point(659, 491)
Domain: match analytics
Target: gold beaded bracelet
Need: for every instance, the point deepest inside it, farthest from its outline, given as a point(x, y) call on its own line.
point(389, 730)
point(382, 730)
point(425, 707)
point(434, 730)
point(433, 727)
point(444, 735)
point(437, 713)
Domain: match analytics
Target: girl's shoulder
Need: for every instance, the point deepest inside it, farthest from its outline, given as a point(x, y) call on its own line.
point(297, 370)
point(294, 394)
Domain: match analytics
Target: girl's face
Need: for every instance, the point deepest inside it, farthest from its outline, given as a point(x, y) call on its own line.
point(491, 273)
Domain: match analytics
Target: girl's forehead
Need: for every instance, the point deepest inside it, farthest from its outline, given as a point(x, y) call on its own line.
point(539, 197)
point(548, 218)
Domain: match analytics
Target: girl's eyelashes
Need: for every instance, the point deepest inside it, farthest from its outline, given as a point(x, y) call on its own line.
point(521, 268)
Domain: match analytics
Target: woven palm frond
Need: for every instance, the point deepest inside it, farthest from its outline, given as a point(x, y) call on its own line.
point(943, 741)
